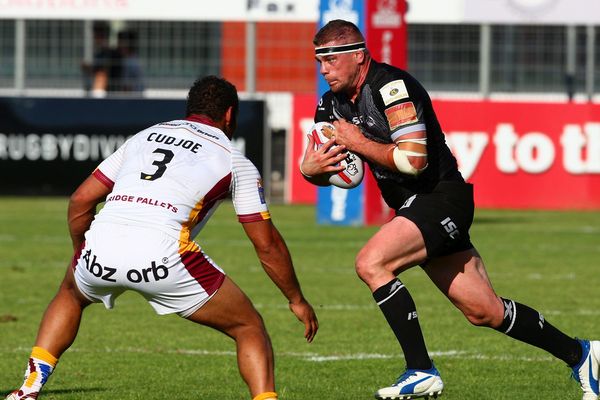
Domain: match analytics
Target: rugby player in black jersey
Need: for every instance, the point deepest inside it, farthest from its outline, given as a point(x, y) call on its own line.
point(384, 114)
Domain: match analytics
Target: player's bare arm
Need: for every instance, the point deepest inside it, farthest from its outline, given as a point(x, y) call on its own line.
point(82, 208)
point(277, 263)
point(412, 146)
point(318, 164)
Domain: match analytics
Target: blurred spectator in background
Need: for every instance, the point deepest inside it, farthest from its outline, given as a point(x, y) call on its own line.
point(104, 68)
point(113, 70)
point(131, 77)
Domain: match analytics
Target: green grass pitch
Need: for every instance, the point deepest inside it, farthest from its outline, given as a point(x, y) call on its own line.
point(548, 260)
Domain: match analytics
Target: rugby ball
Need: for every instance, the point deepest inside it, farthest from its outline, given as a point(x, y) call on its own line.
point(353, 172)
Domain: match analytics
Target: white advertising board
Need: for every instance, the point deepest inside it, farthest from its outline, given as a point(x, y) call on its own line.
point(555, 12)
point(163, 10)
point(530, 12)
point(533, 12)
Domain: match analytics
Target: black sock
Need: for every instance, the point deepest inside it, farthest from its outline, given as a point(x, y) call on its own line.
point(527, 325)
point(400, 312)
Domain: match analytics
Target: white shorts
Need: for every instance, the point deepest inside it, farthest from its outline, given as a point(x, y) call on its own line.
point(116, 258)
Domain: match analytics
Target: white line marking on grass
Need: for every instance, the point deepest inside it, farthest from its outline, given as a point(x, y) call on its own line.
point(311, 357)
point(562, 277)
point(508, 358)
point(368, 356)
point(454, 354)
point(576, 312)
point(590, 229)
point(50, 238)
point(335, 307)
point(352, 307)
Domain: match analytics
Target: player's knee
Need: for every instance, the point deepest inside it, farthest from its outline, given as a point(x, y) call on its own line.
point(251, 329)
point(482, 316)
point(259, 321)
point(478, 319)
point(254, 321)
point(367, 266)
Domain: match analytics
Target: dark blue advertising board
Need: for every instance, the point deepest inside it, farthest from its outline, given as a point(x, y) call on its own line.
point(50, 145)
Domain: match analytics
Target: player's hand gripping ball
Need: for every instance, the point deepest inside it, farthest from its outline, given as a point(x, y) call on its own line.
point(354, 171)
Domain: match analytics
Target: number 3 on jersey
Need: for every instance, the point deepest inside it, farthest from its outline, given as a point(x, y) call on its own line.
point(161, 165)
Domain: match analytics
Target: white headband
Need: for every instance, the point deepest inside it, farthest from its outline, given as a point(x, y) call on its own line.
point(343, 48)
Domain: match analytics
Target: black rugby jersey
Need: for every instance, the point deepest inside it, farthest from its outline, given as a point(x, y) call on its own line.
point(390, 102)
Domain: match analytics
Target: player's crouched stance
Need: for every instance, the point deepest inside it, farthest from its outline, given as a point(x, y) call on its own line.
point(159, 189)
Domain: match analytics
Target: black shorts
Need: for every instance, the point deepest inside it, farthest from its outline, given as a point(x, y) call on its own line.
point(443, 216)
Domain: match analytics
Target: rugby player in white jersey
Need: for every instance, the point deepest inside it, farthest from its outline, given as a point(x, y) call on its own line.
point(159, 190)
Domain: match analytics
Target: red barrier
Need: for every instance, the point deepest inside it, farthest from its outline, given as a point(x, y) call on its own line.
point(298, 190)
point(518, 155)
point(526, 155)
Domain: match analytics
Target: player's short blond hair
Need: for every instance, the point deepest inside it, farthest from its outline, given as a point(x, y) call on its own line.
point(340, 31)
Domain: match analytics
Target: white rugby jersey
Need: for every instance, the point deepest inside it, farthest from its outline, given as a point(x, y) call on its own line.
point(172, 176)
